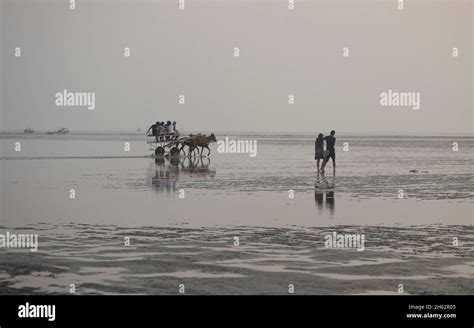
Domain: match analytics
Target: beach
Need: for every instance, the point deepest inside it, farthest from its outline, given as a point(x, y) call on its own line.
point(236, 224)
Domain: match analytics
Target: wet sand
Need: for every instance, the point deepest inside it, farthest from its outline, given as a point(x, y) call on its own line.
point(266, 261)
point(190, 240)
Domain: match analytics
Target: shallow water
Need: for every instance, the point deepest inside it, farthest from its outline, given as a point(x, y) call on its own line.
point(122, 193)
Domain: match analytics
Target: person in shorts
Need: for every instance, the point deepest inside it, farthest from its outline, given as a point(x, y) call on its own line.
point(319, 149)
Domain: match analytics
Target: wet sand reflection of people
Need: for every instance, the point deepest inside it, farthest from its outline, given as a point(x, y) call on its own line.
point(165, 176)
point(167, 170)
point(324, 194)
point(319, 198)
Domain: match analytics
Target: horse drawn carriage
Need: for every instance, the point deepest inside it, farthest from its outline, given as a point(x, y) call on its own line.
point(163, 144)
point(173, 143)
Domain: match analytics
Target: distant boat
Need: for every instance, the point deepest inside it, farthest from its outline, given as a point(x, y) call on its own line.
point(139, 130)
point(60, 131)
point(28, 131)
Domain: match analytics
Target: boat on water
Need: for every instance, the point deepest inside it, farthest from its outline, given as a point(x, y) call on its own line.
point(28, 131)
point(60, 131)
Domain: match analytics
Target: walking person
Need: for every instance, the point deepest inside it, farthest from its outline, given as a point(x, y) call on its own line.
point(331, 151)
point(319, 149)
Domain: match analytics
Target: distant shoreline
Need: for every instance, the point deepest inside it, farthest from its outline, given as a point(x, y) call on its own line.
point(249, 133)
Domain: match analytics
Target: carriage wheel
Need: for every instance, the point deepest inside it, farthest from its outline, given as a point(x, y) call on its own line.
point(174, 151)
point(159, 151)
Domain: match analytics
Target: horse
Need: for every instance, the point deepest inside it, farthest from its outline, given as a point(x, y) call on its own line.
point(189, 143)
point(195, 141)
point(204, 141)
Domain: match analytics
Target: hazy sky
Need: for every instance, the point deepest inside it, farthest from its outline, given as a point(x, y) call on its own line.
point(282, 52)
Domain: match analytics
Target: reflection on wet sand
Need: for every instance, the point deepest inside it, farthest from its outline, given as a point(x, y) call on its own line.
point(324, 193)
point(165, 172)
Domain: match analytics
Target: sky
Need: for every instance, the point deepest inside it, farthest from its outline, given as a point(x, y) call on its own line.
point(283, 52)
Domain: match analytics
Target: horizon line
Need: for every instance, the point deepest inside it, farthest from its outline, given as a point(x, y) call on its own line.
point(269, 132)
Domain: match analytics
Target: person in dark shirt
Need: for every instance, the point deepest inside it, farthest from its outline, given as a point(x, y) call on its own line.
point(319, 149)
point(154, 129)
point(330, 151)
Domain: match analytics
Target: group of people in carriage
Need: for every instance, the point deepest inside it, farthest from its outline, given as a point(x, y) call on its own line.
point(164, 131)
